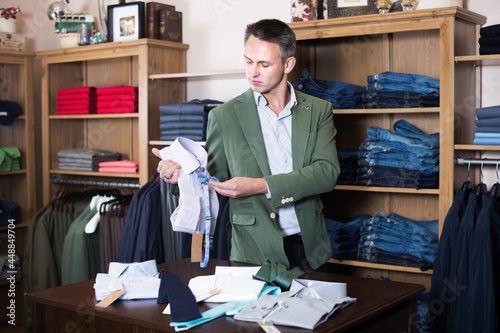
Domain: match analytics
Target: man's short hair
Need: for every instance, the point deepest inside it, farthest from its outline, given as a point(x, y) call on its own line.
point(274, 31)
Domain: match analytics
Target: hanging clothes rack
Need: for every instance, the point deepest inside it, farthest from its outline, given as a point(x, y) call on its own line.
point(476, 161)
point(65, 181)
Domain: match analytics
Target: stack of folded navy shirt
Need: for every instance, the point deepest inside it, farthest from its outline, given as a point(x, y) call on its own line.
point(342, 95)
point(84, 159)
point(344, 235)
point(407, 158)
point(79, 100)
point(349, 161)
point(488, 126)
point(400, 90)
point(187, 120)
point(398, 240)
point(489, 40)
point(8, 112)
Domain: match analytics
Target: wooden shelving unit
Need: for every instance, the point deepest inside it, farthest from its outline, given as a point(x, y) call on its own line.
point(16, 85)
point(426, 42)
point(109, 64)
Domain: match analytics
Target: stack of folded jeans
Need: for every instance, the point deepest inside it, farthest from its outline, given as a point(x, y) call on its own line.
point(398, 240)
point(84, 159)
point(489, 40)
point(407, 158)
point(348, 160)
point(488, 126)
point(400, 90)
point(342, 95)
point(344, 235)
point(187, 120)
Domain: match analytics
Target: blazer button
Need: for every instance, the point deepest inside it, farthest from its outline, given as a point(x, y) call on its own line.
point(272, 215)
point(283, 201)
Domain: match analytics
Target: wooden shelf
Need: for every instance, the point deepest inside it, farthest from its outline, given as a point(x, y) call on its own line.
point(168, 143)
point(386, 111)
point(380, 266)
point(94, 116)
point(197, 74)
point(15, 172)
point(477, 147)
point(480, 60)
point(94, 174)
point(386, 189)
point(109, 64)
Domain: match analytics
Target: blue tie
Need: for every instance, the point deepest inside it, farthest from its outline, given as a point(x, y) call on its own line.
point(204, 179)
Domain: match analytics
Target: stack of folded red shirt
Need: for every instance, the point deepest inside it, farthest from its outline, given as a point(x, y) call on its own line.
point(117, 99)
point(80, 100)
point(123, 166)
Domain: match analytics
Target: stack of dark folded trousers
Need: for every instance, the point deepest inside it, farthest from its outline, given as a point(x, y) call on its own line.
point(187, 120)
point(84, 159)
point(489, 40)
point(342, 95)
point(398, 240)
point(79, 100)
point(400, 90)
point(344, 235)
point(487, 126)
point(349, 161)
point(407, 158)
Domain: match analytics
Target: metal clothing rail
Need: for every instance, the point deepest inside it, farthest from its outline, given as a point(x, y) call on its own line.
point(93, 183)
point(477, 161)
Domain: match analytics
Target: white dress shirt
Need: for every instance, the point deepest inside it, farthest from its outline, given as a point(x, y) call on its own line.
point(277, 132)
point(189, 216)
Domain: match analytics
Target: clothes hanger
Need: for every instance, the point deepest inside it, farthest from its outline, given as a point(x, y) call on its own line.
point(91, 225)
point(495, 192)
point(467, 184)
point(481, 187)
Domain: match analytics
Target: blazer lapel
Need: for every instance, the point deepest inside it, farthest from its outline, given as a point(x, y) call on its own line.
point(250, 123)
point(301, 123)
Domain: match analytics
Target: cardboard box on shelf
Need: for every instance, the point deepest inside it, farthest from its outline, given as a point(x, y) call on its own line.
point(12, 42)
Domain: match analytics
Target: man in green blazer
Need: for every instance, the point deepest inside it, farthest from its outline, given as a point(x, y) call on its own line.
point(273, 150)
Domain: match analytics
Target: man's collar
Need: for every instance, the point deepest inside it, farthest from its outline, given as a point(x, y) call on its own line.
point(258, 97)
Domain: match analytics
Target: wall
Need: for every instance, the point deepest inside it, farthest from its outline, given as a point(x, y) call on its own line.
point(214, 30)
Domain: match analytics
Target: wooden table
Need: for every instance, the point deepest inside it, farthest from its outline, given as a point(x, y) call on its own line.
point(382, 306)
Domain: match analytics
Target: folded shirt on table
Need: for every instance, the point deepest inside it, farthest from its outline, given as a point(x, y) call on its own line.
point(140, 280)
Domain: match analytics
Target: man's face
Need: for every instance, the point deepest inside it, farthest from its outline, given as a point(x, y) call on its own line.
point(263, 66)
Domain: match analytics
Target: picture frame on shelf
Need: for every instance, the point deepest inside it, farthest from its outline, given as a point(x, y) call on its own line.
point(126, 21)
point(345, 8)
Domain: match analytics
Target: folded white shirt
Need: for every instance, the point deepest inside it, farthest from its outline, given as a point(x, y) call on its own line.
point(140, 280)
point(234, 283)
point(308, 304)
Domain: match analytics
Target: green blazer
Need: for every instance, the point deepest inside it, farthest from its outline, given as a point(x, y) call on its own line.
point(236, 148)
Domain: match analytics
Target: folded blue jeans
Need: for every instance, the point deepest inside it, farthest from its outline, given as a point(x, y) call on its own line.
point(386, 145)
point(385, 257)
point(426, 230)
point(404, 134)
point(423, 254)
point(391, 86)
point(396, 77)
point(405, 164)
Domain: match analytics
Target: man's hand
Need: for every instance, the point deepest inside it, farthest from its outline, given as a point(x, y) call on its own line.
point(240, 187)
point(168, 170)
